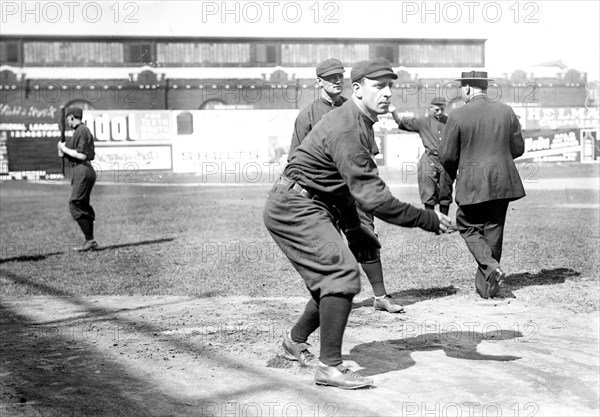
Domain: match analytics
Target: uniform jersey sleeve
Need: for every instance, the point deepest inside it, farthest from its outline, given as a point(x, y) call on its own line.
point(357, 167)
point(84, 143)
point(517, 144)
point(449, 151)
point(302, 127)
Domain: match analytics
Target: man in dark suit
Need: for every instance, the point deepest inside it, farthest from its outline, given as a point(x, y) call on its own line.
point(478, 146)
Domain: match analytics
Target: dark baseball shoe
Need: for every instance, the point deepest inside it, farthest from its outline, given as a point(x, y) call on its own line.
point(88, 245)
point(386, 304)
point(298, 352)
point(340, 377)
point(494, 279)
point(488, 288)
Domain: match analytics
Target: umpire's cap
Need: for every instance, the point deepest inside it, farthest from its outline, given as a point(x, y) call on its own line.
point(475, 78)
point(77, 112)
point(329, 67)
point(372, 68)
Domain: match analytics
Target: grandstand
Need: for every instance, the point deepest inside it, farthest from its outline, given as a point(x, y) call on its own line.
point(39, 74)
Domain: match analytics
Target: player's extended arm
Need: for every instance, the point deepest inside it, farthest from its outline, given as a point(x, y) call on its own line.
point(360, 173)
point(410, 124)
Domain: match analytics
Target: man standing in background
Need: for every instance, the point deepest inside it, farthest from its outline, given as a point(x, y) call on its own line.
point(78, 150)
point(435, 185)
point(331, 80)
point(480, 142)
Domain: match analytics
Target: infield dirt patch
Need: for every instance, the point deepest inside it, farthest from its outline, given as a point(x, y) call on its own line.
point(450, 354)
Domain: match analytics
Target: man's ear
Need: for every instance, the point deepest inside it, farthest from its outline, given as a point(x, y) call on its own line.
point(357, 89)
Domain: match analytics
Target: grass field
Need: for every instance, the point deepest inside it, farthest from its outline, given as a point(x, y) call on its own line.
point(211, 241)
point(183, 309)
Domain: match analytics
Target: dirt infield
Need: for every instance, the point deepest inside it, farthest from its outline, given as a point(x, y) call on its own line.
point(449, 355)
point(531, 352)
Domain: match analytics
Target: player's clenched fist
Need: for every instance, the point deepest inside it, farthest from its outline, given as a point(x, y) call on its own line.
point(444, 223)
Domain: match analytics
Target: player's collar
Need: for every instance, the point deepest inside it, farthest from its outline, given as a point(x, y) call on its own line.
point(327, 100)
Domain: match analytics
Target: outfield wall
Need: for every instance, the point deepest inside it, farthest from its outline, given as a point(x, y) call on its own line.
point(211, 142)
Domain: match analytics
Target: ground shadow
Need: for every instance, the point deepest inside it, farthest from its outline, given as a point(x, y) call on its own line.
point(544, 277)
point(394, 355)
point(133, 244)
point(78, 387)
point(50, 371)
point(30, 258)
point(412, 296)
point(42, 257)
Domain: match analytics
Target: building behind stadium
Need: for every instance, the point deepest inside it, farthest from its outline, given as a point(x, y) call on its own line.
point(190, 104)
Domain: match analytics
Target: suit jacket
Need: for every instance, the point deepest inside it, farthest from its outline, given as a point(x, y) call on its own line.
point(478, 146)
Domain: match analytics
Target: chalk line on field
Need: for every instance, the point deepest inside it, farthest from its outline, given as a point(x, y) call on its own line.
point(582, 183)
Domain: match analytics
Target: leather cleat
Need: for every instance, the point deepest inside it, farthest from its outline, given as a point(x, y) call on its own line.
point(340, 377)
point(490, 287)
point(88, 245)
point(298, 352)
point(494, 279)
point(386, 304)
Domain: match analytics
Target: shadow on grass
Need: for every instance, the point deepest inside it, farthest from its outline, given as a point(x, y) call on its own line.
point(133, 244)
point(525, 279)
point(42, 257)
point(30, 258)
point(394, 355)
point(412, 296)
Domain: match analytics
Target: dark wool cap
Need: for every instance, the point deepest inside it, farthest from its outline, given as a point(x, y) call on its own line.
point(75, 111)
point(372, 68)
point(329, 67)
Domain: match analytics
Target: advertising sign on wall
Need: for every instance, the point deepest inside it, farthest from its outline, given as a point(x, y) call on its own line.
point(562, 145)
point(136, 158)
point(231, 142)
point(590, 145)
point(557, 117)
point(116, 127)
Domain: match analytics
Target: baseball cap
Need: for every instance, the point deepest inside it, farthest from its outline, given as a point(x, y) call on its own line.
point(438, 101)
point(372, 68)
point(329, 67)
point(75, 111)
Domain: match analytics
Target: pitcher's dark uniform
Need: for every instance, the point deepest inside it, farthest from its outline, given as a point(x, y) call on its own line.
point(435, 185)
point(83, 176)
point(77, 151)
point(333, 167)
point(329, 174)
